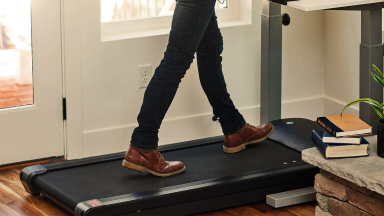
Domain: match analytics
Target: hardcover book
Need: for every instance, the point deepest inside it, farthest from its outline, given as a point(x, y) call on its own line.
point(329, 138)
point(339, 150)
point(347, 125)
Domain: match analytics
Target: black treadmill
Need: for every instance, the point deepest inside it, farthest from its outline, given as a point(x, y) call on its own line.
point(212, 179)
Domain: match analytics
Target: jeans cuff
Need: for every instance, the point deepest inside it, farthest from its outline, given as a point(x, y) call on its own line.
point(232, 122)
point(144, 146)
point(242, 123)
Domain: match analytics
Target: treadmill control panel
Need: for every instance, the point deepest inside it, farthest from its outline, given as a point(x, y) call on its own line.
point(94, 203)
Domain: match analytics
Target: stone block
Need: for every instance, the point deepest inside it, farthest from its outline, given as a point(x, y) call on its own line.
point(330, 187)
point(352, 185)
point(322, 200)
point(340, 208)
point(320, 212)
point(369, 204)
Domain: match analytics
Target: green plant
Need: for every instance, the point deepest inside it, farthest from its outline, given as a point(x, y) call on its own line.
point(378, 107)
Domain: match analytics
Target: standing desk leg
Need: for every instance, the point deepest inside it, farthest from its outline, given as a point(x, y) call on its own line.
point(271, 62)
point(371, 52)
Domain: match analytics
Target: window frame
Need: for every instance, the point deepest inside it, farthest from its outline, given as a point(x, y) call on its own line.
point(238, 13)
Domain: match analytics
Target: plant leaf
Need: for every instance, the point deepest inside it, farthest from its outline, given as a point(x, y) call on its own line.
point(377, 70)
point(366, 100)
point(378, 107)
point(378, 79)
point(378, 112)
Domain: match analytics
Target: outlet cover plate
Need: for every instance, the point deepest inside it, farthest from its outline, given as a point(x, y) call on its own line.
point(145, 75)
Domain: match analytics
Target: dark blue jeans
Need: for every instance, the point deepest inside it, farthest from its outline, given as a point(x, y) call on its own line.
point(194, 30)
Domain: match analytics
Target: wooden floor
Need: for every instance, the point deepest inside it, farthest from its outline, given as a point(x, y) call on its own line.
point(12, 94)
point(15, 201)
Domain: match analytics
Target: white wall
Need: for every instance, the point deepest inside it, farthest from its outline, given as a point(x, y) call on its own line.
point(109, 101)
point(342, 42)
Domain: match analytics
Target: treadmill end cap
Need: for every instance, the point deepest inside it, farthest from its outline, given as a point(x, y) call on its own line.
point(26, 176)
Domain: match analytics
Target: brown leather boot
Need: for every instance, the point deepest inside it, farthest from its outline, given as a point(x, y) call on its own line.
point(237, 142)
point(152, 162)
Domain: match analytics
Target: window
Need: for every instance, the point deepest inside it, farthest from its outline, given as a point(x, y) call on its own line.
point(115, 10)
point(124, 19)
point(16, 87)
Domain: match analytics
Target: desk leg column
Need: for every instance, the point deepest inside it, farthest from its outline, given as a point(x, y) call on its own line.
point(371, 52)
point(271, 62)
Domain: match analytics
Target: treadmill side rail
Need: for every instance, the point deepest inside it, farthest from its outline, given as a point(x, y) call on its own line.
point(81, 209)
point(26, 176)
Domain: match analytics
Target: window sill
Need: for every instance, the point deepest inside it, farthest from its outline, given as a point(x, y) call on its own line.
point(162, 31)
point(240, 14)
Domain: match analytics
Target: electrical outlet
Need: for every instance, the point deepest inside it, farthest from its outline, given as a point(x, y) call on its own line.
point(145, 75)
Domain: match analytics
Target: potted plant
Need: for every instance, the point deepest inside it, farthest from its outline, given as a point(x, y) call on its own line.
point(379, 109)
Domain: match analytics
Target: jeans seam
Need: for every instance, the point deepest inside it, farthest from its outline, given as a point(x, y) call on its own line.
point(216, 66)
point(222, 84)
point(194, 37)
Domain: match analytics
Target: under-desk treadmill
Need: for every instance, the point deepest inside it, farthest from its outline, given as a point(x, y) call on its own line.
point(212, 179)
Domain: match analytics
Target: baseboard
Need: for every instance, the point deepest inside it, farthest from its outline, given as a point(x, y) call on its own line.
point(334, 107)
point(116, 139)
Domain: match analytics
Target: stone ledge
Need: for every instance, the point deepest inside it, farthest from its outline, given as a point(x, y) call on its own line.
point(365, 172)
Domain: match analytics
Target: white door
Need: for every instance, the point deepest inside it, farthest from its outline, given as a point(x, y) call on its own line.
point(31, 117)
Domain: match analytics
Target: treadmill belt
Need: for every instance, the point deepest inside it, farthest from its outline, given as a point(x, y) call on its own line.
point(109, 179)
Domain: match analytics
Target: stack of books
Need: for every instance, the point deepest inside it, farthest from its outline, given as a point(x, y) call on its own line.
point(342, 137)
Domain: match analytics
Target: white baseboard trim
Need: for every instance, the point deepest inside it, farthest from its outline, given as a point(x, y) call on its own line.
point(173, 130)
point(334, 107)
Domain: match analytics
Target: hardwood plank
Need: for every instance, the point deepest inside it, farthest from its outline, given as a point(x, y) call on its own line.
point(302, 210)
point(16, 205)
point(4, 211)
point(262, 207)
point(22, 166)
point(218, 213)
point(281, 212)
point(245, 211)
point(10, 178)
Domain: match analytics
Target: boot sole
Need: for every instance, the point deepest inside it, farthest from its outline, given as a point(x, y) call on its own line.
point(243, 146)
point(139, 168)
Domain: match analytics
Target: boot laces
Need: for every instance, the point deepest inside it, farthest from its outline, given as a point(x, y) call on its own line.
point(257, 130)
point(160, 157)
point(251, 126)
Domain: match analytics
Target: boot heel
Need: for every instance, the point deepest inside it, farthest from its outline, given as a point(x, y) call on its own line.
point(234, 149)
point(133, 166)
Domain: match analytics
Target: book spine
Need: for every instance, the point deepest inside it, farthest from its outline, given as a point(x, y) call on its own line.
point(316, 139)
point(326, 127)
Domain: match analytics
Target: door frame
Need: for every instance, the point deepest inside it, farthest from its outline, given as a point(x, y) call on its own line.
point(72, 77)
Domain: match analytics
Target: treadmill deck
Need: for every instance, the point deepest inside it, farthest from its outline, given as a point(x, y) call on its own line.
point(97, 181)
point(212, 179)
